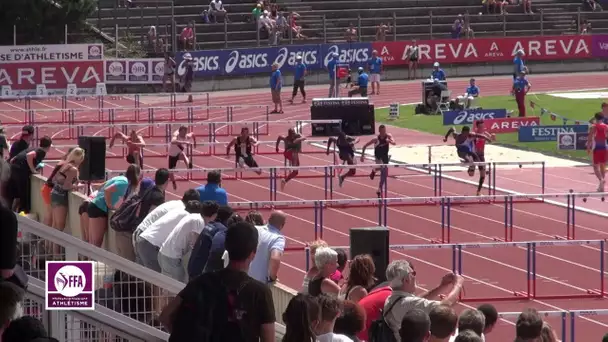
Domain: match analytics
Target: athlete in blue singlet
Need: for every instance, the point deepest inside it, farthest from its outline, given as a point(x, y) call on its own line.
point(465, 145)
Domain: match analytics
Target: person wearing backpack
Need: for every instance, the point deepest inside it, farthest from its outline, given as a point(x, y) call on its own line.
point(225, 305)
point(404, 299)
point(141, 202)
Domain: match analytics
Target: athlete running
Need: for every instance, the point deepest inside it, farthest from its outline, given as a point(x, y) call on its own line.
point(596, 142)
point(381, 148)
point(242, 149)
point(480, 146)
point(346, 152)
point(465, 147)
point(181, 138)
point(293, 147)
point(135, 143)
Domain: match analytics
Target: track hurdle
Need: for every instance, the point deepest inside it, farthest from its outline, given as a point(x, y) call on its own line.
point(584, 314)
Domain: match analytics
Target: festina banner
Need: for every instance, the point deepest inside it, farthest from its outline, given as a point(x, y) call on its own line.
point(23, 77)
point(51, 53)
point(487, 49)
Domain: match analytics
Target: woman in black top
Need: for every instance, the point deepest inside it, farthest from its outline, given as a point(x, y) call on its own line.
point(243, 149)
point(23, 166)
point(326, 260)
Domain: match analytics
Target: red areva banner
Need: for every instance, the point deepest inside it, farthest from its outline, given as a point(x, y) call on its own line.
point(510, 125)
point(134, 71)
point(23, 77)
point(487, 49)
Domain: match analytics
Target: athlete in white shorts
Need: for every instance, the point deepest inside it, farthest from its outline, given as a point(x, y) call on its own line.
point(177, 150)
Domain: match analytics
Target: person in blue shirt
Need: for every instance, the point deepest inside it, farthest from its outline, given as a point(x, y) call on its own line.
point(521, 87)
point(276, 83)
point(331, 68)
point(518, 64)
point(212, 191)
point(375, 69)
point(437, 73)
point(361, 86)
point(298, 80)
point(470, 94)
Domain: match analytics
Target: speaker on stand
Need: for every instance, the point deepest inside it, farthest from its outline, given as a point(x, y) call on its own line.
point(93, 168)
point(375, 242)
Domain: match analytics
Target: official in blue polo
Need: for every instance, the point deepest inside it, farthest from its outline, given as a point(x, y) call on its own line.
point(375, 69)
point(521, 87)
point(276, 83)
point(361, 86)
point(331, 69)
point(298, 80)
point(470, 94)
point(437, 73)
point(213, 191)
point(518, 64)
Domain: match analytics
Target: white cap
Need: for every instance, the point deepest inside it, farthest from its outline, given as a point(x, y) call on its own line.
point(436, 64)
point(298, 58)
point(187, 56)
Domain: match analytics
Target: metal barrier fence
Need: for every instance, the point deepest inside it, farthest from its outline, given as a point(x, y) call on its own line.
point(328, 173)
point(444, 204)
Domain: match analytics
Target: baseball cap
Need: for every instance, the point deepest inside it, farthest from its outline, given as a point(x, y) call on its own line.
point(436, 64)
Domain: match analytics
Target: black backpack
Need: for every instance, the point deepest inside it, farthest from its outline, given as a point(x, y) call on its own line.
point(212, 315)
point(379, 331)
point(127, 217)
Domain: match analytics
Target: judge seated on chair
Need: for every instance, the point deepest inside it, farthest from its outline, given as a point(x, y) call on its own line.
point(468, 99)
point(434, 96)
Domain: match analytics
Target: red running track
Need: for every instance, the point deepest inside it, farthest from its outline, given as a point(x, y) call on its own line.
point(490, 272)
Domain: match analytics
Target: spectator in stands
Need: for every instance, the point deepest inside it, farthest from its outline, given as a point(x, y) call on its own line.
point(106, 200)
point(252, 316)
point(161, 210)
point(351, 33)
point(154, 42)
point(276, 83)
point(181, 238)
point(529, 325)
point(265, 24)
point(338, 276)
point(469, 96)
point(148, 243)
point(210, 246)
point(256, 13)
point(415, 326)
point(23, 166)
point(47, 188)
point(586, 27)
point(351, 321)
point(490, 6)
point(326, 260)
point(457, 27)
point(468, 336)
point(26, 329)
point(217, 11)
point(301, 317)
point(548, 334)
point(443, 323)
point(63, 182)
point(404, 285)
point(186, 38)
point(471, 319)
point(527, 6)
point(330, 310)
point(313, 271)
point(27, 134)
point(265, 265)
point(295, 28)
point(213, 191)
point(468, 31)
point(591, 6)
point(491, 317)
point(11, 297)
point(360, 278)
point(282, 26)
point(255, 218)
point(381, 31)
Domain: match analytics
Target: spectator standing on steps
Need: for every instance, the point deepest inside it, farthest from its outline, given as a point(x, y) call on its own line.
point(265, 265)
point(213, 191)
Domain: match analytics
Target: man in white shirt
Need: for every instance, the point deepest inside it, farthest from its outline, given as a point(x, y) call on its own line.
point(265, 265)
point(330, 310)
point(403, 298)
point(149, 242)
point(471, 319)
point(182, 238)
point(216, 10)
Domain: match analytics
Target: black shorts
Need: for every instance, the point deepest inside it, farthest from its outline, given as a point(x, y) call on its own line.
point(346, 156)
point(248, 160)
point(131, 160)
point(482, 159)
point(173, 161)
point(414, 59)
point(84, 208)
point(382, 158)
point(95, 212)
point(463, 153)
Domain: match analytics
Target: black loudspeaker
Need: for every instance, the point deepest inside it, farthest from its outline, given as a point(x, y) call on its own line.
point(372, 241)
point(93, 168)
point(357, 116)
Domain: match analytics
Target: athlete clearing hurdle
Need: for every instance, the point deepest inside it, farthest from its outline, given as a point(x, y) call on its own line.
point(180, 139)
point(135, 143)
point(346, 152)
point(293, 147)
point(480, 146)
point(596, 142)
point(242, 149)
point(381, 148)
point(464, 142)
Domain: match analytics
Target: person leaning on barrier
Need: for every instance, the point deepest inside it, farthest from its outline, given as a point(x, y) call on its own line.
point(403, 297)
point(491, 315)
point(265, 265)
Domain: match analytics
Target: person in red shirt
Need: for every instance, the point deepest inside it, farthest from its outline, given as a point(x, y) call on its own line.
point(187, 37)
point(596, 141)
point(373, 303)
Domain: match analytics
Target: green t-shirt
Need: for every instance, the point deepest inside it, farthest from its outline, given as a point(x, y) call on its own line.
point(256, 12)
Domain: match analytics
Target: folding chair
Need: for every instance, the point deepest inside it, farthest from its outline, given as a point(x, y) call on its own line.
point(444, 101)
